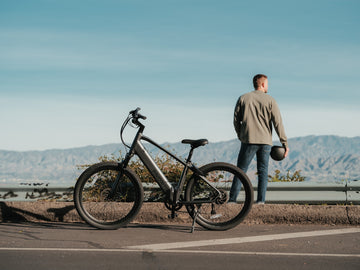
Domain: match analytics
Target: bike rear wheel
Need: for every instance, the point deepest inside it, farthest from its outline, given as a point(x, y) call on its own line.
point(100, 204)
point(220, 214)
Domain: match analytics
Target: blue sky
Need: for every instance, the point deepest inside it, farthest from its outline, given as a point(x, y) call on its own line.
point(71, 70)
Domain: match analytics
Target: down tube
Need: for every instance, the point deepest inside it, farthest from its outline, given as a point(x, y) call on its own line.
point(150, 164)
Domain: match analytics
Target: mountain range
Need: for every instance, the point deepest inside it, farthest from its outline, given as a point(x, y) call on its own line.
point(319, 158)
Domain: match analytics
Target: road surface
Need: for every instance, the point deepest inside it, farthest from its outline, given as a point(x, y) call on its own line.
point(146, 246)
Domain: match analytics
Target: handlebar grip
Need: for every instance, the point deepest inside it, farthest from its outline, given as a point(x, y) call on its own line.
point(141, 116)
point(135, 113)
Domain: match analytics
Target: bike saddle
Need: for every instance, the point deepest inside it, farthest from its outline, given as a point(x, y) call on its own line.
point(195, 143)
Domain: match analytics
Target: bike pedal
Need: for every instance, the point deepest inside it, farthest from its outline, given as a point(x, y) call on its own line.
point(216, 216)
point(172, 216)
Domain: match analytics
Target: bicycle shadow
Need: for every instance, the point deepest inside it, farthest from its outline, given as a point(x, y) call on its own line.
point(59, 213)
point(13, 214)
point(9, 214)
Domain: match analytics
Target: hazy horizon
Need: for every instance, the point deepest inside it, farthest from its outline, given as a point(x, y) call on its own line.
point(168, 142)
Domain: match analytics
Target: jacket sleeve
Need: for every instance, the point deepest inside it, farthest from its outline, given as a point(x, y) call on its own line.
point(237, 117)
point(278, 124)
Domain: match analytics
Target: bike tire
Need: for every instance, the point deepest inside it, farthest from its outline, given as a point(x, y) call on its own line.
point(221, 215)
point(93, 201)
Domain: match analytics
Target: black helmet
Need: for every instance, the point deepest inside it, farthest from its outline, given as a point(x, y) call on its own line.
point(277, 152)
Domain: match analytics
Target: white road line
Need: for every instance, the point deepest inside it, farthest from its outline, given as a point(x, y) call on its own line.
point(171, 247)
point(258, 253)
point(240, 240)
point(252, 253)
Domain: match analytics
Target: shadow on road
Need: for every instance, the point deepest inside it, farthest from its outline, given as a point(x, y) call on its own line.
point(13, 214)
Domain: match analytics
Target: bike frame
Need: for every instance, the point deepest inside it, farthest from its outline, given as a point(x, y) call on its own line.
point(173, 192)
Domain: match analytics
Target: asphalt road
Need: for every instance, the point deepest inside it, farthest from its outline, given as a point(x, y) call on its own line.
point(78, 246)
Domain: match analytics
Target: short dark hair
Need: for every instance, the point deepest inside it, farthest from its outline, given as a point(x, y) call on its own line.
point(256, 80)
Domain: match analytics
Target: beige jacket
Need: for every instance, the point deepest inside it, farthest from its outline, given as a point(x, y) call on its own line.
point(255, 113)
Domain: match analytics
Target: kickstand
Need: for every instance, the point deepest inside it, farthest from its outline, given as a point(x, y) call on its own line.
point(197, 212)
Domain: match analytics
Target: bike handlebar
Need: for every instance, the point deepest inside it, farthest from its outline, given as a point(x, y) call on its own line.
point(136, 115)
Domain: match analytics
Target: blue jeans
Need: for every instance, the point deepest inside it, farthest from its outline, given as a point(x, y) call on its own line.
point(246, 155)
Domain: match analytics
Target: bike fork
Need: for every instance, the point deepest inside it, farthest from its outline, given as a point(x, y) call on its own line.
point(114, 186)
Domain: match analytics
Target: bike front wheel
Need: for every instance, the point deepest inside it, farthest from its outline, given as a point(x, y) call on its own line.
point(209, 199)
point(108, 197)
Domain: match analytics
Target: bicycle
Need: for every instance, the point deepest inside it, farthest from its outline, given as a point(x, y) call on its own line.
point(108, 195)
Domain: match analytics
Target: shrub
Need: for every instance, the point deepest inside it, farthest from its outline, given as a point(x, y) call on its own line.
point(171, 169)
point(295, 177)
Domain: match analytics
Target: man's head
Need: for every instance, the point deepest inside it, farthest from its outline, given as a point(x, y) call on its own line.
point(260, 82)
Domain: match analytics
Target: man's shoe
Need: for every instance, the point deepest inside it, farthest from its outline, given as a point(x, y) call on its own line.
point(260, 203)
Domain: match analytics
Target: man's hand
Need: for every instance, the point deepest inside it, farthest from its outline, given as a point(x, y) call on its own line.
point(286, 151)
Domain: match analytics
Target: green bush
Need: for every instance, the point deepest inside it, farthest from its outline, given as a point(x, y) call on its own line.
point(295, 177)
point(171, 169)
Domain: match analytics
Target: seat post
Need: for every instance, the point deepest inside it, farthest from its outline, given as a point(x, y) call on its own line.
point(190, 154)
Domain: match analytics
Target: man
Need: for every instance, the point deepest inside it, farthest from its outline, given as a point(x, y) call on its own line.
point(255, 113)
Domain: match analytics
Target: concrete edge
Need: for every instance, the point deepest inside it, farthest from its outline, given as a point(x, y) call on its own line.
point(157, 213)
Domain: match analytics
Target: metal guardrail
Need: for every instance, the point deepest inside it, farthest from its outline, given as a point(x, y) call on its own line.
point(280, 192)
point(307, 193)
point(35, 192)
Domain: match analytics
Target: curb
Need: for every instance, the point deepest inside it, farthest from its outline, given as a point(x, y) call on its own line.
point(157, 213)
